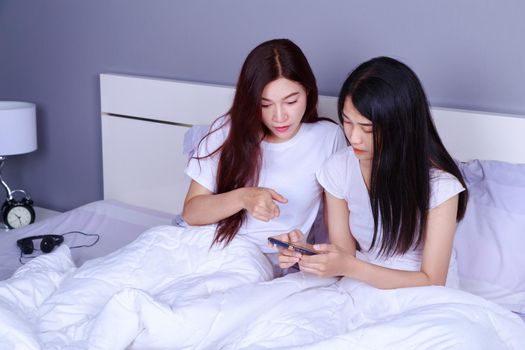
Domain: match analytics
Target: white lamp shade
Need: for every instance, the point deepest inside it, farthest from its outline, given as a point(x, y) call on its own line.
point(17, 127)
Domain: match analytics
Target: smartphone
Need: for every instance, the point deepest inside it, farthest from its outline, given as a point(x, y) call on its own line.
point(302, 248)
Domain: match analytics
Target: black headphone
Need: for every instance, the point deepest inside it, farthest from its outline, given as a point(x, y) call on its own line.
point(48, 243)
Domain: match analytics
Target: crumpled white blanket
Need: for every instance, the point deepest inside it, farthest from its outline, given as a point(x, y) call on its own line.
point(169, 290)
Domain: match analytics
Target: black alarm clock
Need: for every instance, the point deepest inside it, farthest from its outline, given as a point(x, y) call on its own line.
point(18, 213)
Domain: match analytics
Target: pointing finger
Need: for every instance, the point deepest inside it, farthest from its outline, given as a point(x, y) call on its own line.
point(278, 197)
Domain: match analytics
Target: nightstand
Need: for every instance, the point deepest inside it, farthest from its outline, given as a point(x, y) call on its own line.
point(40, 214)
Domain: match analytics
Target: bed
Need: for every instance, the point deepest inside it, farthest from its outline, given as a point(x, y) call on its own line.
point(203, 298)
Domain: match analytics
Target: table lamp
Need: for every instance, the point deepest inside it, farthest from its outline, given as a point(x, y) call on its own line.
point(17, 136)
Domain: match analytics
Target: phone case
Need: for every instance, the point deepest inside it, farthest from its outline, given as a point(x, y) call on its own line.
point(291, 246)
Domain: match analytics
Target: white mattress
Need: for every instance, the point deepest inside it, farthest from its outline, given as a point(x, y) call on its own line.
point(116, 223)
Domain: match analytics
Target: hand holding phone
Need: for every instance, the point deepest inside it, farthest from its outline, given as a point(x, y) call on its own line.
point(303, 248)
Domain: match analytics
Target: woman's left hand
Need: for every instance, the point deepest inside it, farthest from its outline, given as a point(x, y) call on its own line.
point(330, 262)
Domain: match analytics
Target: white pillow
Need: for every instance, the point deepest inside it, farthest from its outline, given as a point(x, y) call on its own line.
point(490, 240)
point(192, 137)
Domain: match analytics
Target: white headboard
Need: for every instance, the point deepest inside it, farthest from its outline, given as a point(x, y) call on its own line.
point(144, 120)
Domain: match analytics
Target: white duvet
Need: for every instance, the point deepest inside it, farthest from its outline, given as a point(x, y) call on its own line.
point(168, 290)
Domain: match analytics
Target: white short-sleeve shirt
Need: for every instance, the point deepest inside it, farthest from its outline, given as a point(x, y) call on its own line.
point(288, 168)
point(341, 177)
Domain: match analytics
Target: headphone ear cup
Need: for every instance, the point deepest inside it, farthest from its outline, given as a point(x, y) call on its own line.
point(47, 244)
point(26, 246)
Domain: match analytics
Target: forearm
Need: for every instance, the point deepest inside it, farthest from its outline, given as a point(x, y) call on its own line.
point(207, 209)
point(386, 278)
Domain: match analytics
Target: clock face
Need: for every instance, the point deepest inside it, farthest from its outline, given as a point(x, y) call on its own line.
point(19, 216)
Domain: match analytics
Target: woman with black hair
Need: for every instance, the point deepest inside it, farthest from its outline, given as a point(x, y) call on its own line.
point(393, 197)
point(254, 173)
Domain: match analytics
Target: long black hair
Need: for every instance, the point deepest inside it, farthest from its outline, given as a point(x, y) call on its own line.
point(406, 146)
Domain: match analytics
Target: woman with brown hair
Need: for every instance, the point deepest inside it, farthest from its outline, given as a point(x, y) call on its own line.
point(254, 172)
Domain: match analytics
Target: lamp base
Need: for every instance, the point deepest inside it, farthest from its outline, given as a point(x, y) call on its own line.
point(8, 191)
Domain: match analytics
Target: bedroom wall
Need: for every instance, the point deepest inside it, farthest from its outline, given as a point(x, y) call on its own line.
point(468, 54)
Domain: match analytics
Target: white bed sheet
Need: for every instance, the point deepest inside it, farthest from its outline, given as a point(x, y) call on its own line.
point(115, 222)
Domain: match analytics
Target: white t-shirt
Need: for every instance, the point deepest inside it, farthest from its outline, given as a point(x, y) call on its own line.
point(289, 168)
point(341, 177)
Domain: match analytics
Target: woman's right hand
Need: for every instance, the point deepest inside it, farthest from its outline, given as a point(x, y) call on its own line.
point(288, 257)
point(260, 202)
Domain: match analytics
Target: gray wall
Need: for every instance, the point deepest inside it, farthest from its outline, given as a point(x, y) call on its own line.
point(469, 54)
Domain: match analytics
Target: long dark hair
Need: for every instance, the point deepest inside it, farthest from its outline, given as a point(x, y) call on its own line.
point(406, 146)
point(240, 154)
